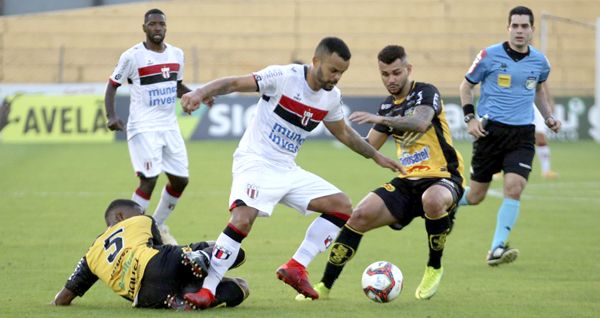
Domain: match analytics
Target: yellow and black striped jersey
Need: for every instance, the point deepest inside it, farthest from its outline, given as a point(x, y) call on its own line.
point(118, 257)
point(429, 154)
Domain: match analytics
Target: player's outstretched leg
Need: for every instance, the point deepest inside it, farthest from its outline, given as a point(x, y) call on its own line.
point(295, 275)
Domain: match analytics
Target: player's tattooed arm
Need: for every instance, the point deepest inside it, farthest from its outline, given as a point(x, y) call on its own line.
point(417, 121)
point(349, 137)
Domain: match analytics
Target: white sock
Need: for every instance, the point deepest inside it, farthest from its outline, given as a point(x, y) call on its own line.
point(319, 235)
point(543, 153)
point(224, 254)
point(141, 198)
point(168, 201)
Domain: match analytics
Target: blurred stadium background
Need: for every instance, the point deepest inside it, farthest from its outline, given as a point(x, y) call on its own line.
point(73, 50)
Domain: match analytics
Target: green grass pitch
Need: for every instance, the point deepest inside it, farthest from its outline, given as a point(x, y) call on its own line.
point(52, 198)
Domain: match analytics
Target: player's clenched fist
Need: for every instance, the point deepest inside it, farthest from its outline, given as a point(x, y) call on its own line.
point(191, 101)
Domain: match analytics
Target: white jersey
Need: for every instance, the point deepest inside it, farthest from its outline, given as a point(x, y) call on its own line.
point(153, 94)
point(287, 112)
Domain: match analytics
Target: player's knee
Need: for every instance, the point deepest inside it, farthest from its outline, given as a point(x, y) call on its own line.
point(513, 192)
point(433, 207)
point(345, 205)
point(361, 220)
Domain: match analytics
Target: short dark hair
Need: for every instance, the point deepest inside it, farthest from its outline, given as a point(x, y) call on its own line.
point(152, 11)
point(332, 45)
point(112, 207)
point(391, 53)
point(521, 10)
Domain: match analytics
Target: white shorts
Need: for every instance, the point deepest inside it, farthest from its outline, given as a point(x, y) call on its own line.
point(538, 121)
point(154, 152)
point(262, 188)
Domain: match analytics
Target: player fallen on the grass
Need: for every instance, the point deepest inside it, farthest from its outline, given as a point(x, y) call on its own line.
point(131, 259)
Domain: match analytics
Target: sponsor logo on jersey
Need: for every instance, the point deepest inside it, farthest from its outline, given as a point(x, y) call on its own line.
point(386, 106)
point(418, 168)
point(163, 96)
point(415, 158)
point(221, 253)
point(285, 138)
point(252, 191)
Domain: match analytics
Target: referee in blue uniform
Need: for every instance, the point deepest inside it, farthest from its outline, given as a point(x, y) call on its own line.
point(511, 76)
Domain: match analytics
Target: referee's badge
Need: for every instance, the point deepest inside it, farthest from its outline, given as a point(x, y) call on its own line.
point(531, 83)
point(504, 80)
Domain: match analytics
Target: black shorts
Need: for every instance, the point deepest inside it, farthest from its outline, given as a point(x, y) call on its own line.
point(505, 148)
point(403, 197)
point(165, 276)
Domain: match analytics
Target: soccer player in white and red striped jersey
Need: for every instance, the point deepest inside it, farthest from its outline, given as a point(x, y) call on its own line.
point(295, 99)
point(154, 70)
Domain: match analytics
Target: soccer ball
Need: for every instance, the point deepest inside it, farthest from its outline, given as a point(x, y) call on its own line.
point(382, 281)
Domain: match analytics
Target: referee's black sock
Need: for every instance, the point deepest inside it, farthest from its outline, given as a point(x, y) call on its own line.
point(437, 230)
point(342, 251)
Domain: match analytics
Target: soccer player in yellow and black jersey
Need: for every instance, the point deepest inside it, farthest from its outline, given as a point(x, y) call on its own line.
point(414, 116)
point(131, 259)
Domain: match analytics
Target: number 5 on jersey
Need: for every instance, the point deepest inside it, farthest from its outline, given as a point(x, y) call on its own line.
point(115, 239)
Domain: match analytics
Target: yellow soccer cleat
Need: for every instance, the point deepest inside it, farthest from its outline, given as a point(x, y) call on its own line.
point(430, 283)
point(321, 290)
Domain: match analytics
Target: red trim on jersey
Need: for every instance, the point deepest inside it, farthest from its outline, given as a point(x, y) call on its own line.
point(113, 83)
point(156, 69)
point(142, 194)
point(172, 192)
point(300, 108)
point(236, 230)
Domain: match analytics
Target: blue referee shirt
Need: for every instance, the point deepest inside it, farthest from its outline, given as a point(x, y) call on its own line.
point(507, 86)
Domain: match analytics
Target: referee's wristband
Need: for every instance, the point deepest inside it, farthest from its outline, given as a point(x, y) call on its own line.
point(468, 109)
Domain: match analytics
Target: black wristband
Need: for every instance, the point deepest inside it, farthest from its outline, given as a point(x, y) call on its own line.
point(468, 109)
